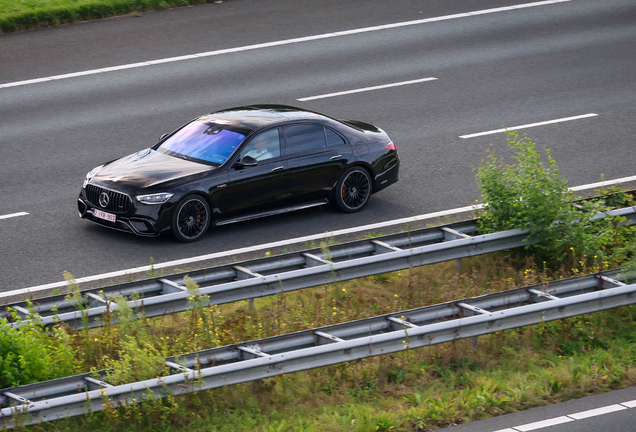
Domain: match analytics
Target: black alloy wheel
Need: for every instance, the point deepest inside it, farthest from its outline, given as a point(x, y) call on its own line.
point(191, 219)
point(353, 190)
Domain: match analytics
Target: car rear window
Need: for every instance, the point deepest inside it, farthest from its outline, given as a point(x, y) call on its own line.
point(303, 137)
point(333, 139)
point(203, 142)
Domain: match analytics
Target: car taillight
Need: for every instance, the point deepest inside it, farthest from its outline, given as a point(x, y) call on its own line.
point(390, 146)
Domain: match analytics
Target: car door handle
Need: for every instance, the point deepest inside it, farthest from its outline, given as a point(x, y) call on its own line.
point(278, 168)
point(335, 157)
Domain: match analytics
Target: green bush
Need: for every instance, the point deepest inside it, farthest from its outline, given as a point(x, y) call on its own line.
point(530, 195)
point(31, 354)
point(137, 361)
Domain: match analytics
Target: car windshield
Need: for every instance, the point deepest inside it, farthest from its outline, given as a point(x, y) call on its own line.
point(203, 142)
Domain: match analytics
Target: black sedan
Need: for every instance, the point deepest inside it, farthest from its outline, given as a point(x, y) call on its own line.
point(240, 164)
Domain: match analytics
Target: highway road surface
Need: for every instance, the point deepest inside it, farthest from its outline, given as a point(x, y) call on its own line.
point(76, 96)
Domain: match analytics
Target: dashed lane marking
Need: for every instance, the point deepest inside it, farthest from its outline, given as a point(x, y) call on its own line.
point(365, 89)
point(12, 215)
point(530, 125)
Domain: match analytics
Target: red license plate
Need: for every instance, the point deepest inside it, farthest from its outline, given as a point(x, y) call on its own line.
point(103, 215)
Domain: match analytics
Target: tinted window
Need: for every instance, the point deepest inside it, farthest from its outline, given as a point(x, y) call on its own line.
point(202, 141)
point(263, 146)
point(301, 138)
point(333, 139)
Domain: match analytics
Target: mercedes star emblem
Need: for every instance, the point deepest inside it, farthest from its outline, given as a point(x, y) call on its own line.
point(104, 199)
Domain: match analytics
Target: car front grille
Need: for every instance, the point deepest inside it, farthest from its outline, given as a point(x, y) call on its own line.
point(117, 202)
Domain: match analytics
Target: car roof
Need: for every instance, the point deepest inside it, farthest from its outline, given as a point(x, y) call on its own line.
point(257, 116)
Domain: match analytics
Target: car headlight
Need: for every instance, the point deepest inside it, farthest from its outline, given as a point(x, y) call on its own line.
point(92, 174)
point(158, 198)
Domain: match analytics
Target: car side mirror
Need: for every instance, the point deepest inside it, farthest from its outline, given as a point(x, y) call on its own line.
point(247, 161)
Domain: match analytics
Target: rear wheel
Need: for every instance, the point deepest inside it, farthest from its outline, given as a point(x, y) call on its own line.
point(353, 190)
point(191, 219)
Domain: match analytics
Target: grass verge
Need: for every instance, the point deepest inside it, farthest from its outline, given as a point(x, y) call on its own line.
point(18, 15)
point(415, 390)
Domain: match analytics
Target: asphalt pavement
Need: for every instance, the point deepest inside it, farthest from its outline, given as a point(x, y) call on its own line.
point(611, 411)
point(497, 67)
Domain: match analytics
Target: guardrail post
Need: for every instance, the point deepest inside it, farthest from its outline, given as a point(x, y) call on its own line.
point(451, 234)
point(243, 273)
point(473, 342)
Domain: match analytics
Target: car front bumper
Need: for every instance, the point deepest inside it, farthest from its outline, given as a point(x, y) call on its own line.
point(135, 225)
point(140, 219)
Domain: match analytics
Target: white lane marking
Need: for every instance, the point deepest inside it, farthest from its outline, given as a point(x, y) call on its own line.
point(13, 215)
point(267, 246)
point(629, 404)
point(360, 90)
point(571, 417)
point(543, 424)
point(282, 42)
point(596, 412)
point(604, 183)
point(530, 125)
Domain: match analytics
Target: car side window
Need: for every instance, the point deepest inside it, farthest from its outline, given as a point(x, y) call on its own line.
point(304, 137)
point(263, 146)
point(333, 139)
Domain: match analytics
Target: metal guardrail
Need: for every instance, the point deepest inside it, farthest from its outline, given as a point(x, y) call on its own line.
point(268, 276)
point(249, 361)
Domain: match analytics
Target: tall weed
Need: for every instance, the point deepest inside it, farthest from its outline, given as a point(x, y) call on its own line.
point(31, 353)
point(529, 194)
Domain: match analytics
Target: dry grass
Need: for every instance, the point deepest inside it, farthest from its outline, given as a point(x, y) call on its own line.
point(414, 390)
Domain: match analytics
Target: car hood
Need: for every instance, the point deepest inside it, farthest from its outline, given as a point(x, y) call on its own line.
point(147, 168)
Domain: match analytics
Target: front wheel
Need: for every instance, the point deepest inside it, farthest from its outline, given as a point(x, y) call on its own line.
point(191, 219)
point(353, 190)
